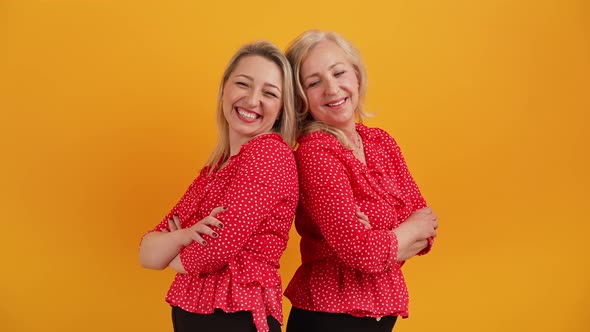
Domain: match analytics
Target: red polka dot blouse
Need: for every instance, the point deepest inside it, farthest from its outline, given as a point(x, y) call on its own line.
point(238, 270)
point(347, 268)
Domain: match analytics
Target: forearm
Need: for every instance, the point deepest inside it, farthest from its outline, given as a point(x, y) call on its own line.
point(411, 249)
point(409, 242)
point(373, 253)
point(157, 249)
point(176, 265)
point(416, 233)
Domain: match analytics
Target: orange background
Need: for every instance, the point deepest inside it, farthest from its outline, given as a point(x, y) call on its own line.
point(108, 114)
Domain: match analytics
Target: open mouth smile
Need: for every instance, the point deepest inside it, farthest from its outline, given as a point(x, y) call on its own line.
point(247, 115)
point(337, 103)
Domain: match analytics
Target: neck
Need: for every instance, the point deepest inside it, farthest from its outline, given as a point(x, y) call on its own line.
point(235, 143)
point(350, 132)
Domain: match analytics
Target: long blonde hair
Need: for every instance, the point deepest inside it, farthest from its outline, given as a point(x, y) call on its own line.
point(297, 53)
point(286, 122)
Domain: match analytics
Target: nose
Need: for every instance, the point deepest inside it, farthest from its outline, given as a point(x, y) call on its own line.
point(253, 98)
point(331, 87)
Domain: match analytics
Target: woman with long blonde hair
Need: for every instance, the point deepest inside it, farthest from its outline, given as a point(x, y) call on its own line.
point(360, 214)
point(225, 236)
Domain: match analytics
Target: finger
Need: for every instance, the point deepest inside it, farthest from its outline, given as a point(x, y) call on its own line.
point(433, 232)
point(177, 221)
point(213, 222)
point(203, 228)
point(172, 225)
point(426, 210)
point(362, 216)
point(422, 243)
point(197, 238)
point(365, 223)
point(217, 210)
point(164, 230)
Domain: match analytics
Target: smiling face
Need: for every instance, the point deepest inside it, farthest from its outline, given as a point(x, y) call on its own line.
point(331, 85)
point(252, 98)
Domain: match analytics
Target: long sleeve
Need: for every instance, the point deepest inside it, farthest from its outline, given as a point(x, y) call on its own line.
point(345, 267)
point(404, 180)
point(187, 204)
point(327, 197)
point(266, 174)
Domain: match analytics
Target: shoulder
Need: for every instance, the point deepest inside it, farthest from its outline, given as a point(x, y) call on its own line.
point(268, 159)
point(378, 139)
point(267, 144)
point(321, 154)
point(267, 141)
point(317, 142)
point(376, 135)
point(267, 150)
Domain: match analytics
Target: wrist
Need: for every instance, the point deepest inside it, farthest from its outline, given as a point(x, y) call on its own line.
point(181, 238)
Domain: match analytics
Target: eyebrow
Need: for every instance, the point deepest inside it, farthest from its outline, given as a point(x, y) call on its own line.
point(265, 83)
point(329, 68)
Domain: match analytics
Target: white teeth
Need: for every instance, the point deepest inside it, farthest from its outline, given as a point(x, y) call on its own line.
point(247, 114)
point(338, 103)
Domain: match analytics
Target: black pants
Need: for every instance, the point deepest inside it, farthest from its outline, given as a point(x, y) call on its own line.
point(311, 321)
point(219, 321)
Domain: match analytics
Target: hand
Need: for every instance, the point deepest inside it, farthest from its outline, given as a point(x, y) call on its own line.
point(421, 225)
point(413, 233)
point(173, 224)
point(203, 226)
point(363, 219)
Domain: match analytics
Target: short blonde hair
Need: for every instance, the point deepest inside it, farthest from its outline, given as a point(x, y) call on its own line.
point(297, 53)
point(286, 122)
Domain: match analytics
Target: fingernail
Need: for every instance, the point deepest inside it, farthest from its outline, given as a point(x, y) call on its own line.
point(204, 243)
point(224, 208)
point(176, 214)
point(220, 225)
point(214, 234)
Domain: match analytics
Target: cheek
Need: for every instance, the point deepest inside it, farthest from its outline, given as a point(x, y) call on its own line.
point(313, 99)
point(276, 109)
point(231, 95)
point(272, 108)
point(225, 100)
point(315, 113)
point(356, 85)
point(225, 107)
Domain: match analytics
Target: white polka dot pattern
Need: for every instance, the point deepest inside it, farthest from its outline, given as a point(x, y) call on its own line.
point(238, 270)
point(347, 268)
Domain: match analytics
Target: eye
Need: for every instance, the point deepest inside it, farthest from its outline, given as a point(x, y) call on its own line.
point(312, 84)
point(339, 73)
point(242, 84)
point(271, 94)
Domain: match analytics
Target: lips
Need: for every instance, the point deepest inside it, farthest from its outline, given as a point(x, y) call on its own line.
point(337, 102)
point(246, 114)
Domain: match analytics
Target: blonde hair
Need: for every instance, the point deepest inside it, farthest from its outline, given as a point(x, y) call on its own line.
point(285, 124)
point(297, 53)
